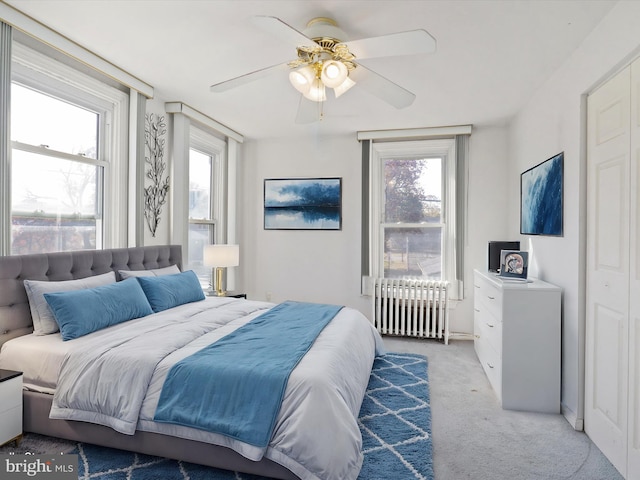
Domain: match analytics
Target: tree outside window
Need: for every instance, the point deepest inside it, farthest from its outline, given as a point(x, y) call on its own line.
point(412, 225)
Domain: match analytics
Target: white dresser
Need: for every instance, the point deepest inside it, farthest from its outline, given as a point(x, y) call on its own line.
point(517, 340)
point(10, 406)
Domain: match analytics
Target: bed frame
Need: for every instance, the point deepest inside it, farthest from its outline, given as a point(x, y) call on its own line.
point(15, 320)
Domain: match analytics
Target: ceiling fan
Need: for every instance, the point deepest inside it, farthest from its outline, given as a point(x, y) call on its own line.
point(325, 59)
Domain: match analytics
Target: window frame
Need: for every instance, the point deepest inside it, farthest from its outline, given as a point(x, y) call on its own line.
point(34, 70)
point(209, 145)
point(215, 148)
point(434, 148)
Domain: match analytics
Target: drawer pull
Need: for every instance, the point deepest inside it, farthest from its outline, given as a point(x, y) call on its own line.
point(477, 309)
point(490, 297)
point(490, 325)
point(489, 365)
point(477, 286)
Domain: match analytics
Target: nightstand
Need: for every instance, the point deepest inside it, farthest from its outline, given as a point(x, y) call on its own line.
point(211, 293)
point(236, 295)
point(10, 406)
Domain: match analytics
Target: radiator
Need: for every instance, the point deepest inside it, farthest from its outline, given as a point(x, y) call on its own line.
point(411, 308)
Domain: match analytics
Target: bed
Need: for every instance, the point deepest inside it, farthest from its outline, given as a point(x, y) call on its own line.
point(77, 385)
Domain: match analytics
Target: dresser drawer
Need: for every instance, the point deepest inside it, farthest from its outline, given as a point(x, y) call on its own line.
point(492, 365)
point(487, 297)
point(489, 329)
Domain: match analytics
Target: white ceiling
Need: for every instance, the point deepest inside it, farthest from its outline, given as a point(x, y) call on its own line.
point(491, 55)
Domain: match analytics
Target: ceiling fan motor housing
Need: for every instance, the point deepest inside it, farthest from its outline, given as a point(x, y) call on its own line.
point(328, 46)
point(323, 29)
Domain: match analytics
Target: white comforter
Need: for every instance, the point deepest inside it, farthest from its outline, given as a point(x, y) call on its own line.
point(114, 378)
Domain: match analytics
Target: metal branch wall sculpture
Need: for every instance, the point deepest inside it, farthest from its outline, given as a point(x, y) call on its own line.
point(155, 195)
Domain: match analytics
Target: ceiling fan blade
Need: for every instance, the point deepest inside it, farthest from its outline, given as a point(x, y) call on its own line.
point(403, 43)
point(385, 89)
point(248, 77)
point(309, 111)
point(276, 27)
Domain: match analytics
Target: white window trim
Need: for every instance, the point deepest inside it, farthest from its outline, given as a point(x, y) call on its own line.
point(444, 148)
point(41, 72)
point(184, 119)
point(209, 145)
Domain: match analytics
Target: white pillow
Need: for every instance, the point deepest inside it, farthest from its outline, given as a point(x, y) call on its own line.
point(44, 322)
point(170, 270)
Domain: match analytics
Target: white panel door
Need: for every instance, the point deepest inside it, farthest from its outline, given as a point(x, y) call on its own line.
point(634, 281)
point(607, 353)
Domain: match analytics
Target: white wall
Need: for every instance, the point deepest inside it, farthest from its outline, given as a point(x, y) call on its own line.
point(486, 219)
point(553, 122)
point(316, 266)
point(324, 266)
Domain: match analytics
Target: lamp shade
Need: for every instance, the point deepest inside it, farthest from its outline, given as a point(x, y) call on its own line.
point(221, 255)
point(344, 86)
point(317, 91)
point(334, 73)
point(302, 79)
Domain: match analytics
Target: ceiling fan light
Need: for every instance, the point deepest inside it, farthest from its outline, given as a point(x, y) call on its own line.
point(334, 73)
point(302, 79)
point(317, 91)
point(343, 87)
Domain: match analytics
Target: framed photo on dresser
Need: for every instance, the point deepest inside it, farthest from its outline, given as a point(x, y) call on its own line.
point(514, 264)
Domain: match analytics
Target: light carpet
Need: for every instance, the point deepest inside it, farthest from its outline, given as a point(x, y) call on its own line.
point(395, 420)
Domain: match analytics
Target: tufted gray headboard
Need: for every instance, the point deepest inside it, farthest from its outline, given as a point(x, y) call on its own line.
point(15, 316)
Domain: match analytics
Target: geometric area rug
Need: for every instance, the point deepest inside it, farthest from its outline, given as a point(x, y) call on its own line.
point(395, 421)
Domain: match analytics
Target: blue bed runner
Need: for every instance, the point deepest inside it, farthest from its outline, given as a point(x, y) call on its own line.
point(235, 386)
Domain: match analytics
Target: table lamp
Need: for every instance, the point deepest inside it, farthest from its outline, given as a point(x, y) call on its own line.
point(221, 257)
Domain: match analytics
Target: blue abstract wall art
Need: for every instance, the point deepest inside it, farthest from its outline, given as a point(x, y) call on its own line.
point(541, 198)
point(303, 204)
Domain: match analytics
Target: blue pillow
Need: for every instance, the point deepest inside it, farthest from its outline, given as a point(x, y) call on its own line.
point(170, 291)
point(80, 312)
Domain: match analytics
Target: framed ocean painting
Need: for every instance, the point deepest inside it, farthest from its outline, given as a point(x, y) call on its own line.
point(303, 204)
point(541, 198)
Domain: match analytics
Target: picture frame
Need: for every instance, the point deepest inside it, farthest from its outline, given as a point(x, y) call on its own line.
point(541, 198)
point(303, 203)
point(514, 264)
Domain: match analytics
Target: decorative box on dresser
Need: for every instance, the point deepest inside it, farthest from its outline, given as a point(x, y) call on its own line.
point(10, 406)
point(517, 339)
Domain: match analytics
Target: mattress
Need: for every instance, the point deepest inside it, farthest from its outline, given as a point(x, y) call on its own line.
point(39, 358)
point(344, 351)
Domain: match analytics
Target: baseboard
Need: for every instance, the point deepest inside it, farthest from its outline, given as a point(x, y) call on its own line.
point(461, 336)
point(572, 417)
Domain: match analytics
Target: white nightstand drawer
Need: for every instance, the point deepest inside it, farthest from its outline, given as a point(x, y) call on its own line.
point(10, 424)
point(10, 405)
point(11, 393)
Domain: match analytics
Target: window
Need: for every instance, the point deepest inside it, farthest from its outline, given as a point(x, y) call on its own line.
point(65, 184)
point(204, 204)
point(214, 148)
point(413, 210)
point(56, 177)
point(412, 224)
